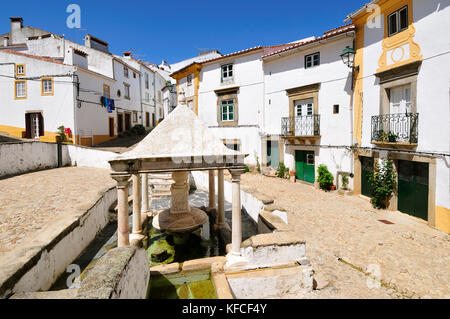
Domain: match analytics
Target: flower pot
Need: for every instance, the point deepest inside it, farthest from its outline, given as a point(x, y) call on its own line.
point(333, 187)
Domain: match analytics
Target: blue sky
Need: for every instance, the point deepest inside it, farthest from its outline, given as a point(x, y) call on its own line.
point(176, 30)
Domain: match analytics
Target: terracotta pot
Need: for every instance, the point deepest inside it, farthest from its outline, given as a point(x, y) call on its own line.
point(333, 187)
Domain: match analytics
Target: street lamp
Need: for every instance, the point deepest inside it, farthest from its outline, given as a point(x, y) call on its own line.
point(348, 57)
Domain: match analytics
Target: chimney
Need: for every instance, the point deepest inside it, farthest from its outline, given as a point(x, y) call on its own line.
point(5, 41)
point(16, 24)
point(127, 54)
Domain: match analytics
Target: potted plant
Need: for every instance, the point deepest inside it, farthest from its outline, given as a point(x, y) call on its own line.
point(392, 137)
point(345, 182)
point(383, 179)
point(325, 178)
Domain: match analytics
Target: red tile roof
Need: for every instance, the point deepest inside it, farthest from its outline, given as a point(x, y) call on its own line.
point(37, 57)
point(327, 34)
point(233, 54)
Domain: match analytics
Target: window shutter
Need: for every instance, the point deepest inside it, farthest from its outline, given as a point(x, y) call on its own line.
point(41, 125)
point(27, 125)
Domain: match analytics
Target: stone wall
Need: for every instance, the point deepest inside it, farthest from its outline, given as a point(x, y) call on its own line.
point(36, 268)
point(24, 157)
point(123, 273)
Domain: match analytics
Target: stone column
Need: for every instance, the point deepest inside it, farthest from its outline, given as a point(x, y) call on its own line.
point(122, 215)
point(180, 193)
point(145, 198)
point(221, 202)
point(212, 190)
point(236, 219)
point(137, 221)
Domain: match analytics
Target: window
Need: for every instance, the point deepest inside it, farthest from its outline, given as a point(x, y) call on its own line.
point(20, 69)
point(400, 99)
point(312, 60)
point(227, 110)
point(135, 117)
point(398, 21)
point(227, 72)
point(106, 91)
point(125, 72)
point(134, 75)
point(189, 80)
point(310, 110)
point(147, 97)
point(47, 86)
point(336, 109)
point(20, 88)
point(127, 91)
point(147, 82)
point(310, 159)
point(159, 96)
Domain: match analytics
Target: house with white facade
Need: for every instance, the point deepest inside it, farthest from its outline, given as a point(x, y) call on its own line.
point(106, 97)
point(307, 106)
point(401, 103)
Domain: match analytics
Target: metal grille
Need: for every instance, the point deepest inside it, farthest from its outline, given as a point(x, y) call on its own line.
point(396, 128)
point(308, 125)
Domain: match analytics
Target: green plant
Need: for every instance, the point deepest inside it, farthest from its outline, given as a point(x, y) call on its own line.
point(383, 180)
point(62, 134)
point(325, 178)
point(247, 169)
point(282, 170)
point(138, 130)
point(345, 181)
point(392, 137)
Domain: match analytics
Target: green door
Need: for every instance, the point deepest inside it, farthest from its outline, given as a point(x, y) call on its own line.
point(413, 188)
point(305, 166)
point(367, 164)
point(273, 155)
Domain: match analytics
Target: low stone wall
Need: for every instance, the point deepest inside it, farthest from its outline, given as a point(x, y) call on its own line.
point(37, 267)
point(123, 273)
point(23, 157)
point(252, 201)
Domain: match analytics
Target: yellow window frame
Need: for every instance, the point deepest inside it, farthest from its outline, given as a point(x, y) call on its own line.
point(17, 68)
point(15, 90)
point(42, 86)
point(109, 91)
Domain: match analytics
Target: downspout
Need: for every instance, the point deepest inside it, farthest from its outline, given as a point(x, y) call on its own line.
point(154, 96)
point(77, 87)
point(141, 98)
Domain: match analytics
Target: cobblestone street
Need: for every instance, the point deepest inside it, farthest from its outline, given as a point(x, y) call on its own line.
point(345, 237)
point(31, 203)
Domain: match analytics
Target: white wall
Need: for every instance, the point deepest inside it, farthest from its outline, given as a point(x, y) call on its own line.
point(56, 109)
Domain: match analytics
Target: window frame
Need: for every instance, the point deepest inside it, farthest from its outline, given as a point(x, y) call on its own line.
point(126, 72)
point(135, 117)
point(189, 79)
point(109, 91)
point(228, 110)
point(46, 78)
point(228, 78)
point(15, 89)
point(312, 60)
point(17, 70)
point(147, 81)
point(127, 90)
point(398, 21)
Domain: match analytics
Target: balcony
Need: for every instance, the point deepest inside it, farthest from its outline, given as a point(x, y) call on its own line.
point(394, 130)
point(301, 128)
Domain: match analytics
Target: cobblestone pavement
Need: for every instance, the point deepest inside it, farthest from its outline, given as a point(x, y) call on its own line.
point(30, 203)
point(346, 241)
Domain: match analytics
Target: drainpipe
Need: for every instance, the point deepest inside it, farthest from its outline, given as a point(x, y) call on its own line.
point(140, 98)
point(75, 106)
point(154, 95)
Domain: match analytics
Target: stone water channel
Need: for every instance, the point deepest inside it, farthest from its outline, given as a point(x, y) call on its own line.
point(165, 249)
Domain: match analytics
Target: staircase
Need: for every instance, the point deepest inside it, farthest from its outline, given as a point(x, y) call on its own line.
point(159, 185)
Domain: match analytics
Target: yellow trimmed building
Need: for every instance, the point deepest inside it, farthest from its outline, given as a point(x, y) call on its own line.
point(401, 102)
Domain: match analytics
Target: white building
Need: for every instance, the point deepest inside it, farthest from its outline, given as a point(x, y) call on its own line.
point(402, 102)
point(98, 75)
point(307, 111)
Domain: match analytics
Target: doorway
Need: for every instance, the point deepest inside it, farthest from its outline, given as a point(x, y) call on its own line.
point(305, 166)
point(111, 127)
point(367, 166)
point(120, 123)
point(34, 125)
point(273, 154)
point(127, 122)
point(413, 188)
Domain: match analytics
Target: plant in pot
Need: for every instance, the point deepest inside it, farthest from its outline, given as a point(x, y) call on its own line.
point(392, 137)
point(383, 179)
point(325, 178)
point(345, 182)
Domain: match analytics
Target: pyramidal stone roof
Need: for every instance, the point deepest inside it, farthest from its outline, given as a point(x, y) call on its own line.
point(181, 134)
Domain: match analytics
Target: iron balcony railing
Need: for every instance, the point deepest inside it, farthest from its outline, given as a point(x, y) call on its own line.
point(396, 128)
point(308, 125)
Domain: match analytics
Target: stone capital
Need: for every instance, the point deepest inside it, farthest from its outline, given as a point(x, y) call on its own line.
point(122, 180)
point(236, 174)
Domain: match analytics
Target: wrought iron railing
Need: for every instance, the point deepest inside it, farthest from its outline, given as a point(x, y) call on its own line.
point(396, 128)
point(308, 125)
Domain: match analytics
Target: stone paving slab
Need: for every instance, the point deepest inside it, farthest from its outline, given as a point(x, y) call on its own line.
point(346, 244)
point(36, 203)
